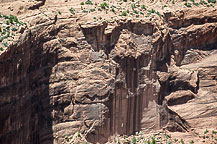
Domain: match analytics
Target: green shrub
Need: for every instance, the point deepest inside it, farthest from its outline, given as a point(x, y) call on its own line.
point(133, 6)
point(182, 141)
point(85, 11)
point(153, 140)
point(11, 19)
point(5, 44)
point(136, 12)
point(72, 10)
point(203, 2)
point(6, 17)
point(164, 6)
point(89, 2)
point(143, 7)
point(104, 5)
point(151, 11)
point(113, 10)
point(7, 22)
point(14, 29)
point(7, 31)
point(3, 32)
point(212, 1)
point(67, 137)
point(124, 13)
point(134, 140)
point(187, 4)
point(92, 10)
point(158, 13)
point(8, 34)
point(206, 131)
point(16, 19)
point(196, 4)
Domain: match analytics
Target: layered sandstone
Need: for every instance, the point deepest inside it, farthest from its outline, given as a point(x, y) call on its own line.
point(64, 74)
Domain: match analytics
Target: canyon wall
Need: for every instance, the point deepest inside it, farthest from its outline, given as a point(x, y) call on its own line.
point(62, 76)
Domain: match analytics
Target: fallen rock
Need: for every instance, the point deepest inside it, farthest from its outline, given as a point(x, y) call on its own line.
point(179, 97)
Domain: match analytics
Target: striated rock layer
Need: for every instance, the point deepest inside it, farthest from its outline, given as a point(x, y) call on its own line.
point(62, 76)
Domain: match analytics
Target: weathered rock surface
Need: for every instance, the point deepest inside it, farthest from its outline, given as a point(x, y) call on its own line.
point(202, 110)
point(180, 97)
point(65, 75)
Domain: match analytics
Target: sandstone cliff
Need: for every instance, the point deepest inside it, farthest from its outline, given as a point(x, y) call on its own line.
point(67, 72)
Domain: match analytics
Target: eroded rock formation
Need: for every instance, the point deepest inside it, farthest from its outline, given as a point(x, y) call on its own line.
point(62, 76)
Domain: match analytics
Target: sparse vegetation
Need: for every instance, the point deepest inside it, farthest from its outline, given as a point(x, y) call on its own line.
point(203, 2)
point(127, 8)
point(9, 25)
point(142, 138)
point(113, 10)
point(72, 10)
point(82, 3)
point(59, 12)
point(104, 5)
point(124, 13)
point(89, 2)
point(164, 6)
point(84, 11)
point(143, 7)
point(152, 11)
point(212, 1)
point(196, 4)
point(123, 8)
point(92, 10)
point(187, 4)
point(133, 6)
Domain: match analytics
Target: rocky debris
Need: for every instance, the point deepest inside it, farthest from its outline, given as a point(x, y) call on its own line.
point(160, 136)
point(37, 4)
point(179, 97)
point(194, 55)
point(178, 79)
point(68, 73)
point(204, 104)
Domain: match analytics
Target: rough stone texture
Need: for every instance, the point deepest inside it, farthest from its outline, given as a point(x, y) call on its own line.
point(63, 75)
point(180, 97)
point(202, 110)
point(194, 55)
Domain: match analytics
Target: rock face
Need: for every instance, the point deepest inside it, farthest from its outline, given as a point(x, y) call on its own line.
point(62, 76)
